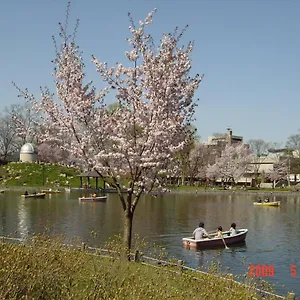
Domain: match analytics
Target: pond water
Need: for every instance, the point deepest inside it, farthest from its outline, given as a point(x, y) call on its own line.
point(273, 237)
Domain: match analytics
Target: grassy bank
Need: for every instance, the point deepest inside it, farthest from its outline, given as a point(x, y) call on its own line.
point(34, 174)
point(45, 270)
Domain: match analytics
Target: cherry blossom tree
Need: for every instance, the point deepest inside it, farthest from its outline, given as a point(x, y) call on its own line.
point(232, 164)
point(280, 171)
point(137, 140)
point(199, 159)
point(52, 153)
point(213, 172)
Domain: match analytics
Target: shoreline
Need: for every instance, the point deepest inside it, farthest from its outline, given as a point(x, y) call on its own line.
point(203, 192)
point(171, 191)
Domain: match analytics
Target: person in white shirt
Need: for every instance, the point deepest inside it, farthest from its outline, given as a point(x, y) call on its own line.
point(200, 233)
point(232, 229)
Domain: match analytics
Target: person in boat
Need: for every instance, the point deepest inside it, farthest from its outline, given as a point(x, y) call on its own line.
point(267, 200)
point(94, 195)
point(232, 230)
point(219, 232)
point(200, 233)
point(259, 200)
point(26, 193)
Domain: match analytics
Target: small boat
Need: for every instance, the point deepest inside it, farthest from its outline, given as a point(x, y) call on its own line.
point(93, 199)
point(67, 189)
point(273, 203)
point(50, 191)
point(213, 242)
point(38, 195)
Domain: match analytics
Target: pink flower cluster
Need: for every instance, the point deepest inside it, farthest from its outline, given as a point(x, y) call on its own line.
point(142, 135)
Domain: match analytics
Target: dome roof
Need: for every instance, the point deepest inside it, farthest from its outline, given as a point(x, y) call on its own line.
point(28, 148)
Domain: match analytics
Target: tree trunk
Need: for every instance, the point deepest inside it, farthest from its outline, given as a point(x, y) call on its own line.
point(127, 236)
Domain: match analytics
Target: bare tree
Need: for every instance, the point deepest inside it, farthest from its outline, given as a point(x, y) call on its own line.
point(8, 138)
point(293, 143)
point(26, 118)
point(260, 150)
point(259, 147)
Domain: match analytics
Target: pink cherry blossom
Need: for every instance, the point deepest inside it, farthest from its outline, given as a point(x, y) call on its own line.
point(280, 171)
point(141, 136)
point(232, 164)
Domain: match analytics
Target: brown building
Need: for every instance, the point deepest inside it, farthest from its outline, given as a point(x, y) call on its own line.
point(223, 139)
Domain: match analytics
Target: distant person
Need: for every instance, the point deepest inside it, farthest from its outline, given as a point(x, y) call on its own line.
point(26, 193)
point(94, 195)
point(232, 230)
point(267, 200)
point(219, 232)
point(259, 200)
point(200, 233)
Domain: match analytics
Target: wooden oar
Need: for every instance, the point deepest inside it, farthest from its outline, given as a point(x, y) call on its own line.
point(211, 233)
point(224, 242)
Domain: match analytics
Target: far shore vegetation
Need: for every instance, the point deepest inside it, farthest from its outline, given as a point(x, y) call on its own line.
point(57, 176)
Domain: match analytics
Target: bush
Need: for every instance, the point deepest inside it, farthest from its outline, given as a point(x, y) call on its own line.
point(43, 269)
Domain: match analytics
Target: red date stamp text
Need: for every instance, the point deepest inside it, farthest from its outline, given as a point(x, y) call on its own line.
point(268, 271)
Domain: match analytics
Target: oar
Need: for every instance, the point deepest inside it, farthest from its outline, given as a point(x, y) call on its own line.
point(211, 233)
point(224, 242)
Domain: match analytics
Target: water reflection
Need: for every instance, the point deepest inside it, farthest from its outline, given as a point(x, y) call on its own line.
point(199, 257)
point(23, 224)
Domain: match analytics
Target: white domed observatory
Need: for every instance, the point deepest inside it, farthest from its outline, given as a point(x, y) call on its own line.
point(28, 153)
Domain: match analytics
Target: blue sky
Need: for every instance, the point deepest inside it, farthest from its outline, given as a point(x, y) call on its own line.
point(248, 50)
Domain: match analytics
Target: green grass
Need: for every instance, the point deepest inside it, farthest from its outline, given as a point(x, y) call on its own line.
point(45, 270)
point(34, 174)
